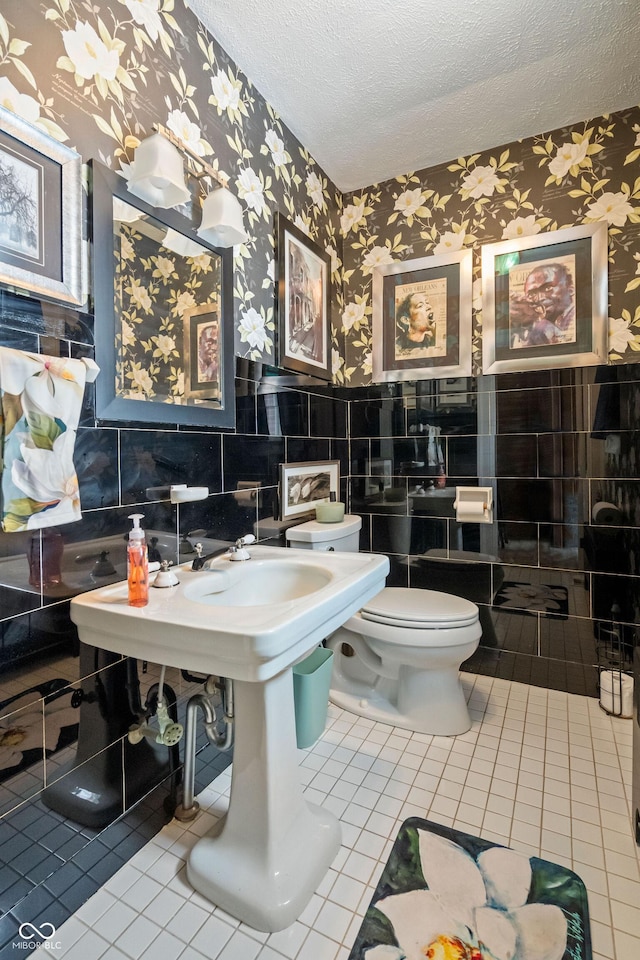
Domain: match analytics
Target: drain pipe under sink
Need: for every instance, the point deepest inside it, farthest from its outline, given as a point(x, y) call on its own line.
point(188, 809)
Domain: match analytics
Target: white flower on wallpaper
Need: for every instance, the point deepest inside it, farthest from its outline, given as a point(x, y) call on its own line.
point(521, 227)
point(568, 159)
point(253, 330)
point(139, 294)
point(165, 269)
point(141, 381)
point(128, 334)
point(275, 146)
point(303, 224)
point(164, 347)
point(336, 262)
point(146, 14)
point(314, 189)
point(92, 58)
point(353, 314)
point(378, 256)
point(187, 131)
point(481, 182)
point(226, 92)
point(251, 190)
point(20, 103)
point(410, 203)
point(620, 336)
point(352, 216)
point(183, 301)
point(450, 242)
point(336, 361)
point(612, 207)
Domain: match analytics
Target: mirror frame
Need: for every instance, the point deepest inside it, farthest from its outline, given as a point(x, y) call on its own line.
point(104, 186)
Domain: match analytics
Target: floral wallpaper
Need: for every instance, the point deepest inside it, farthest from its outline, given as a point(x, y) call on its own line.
point(576, 175)
point(155, 289)
point(98, 75)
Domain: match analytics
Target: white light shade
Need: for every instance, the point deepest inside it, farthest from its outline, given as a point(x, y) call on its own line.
point(183, 246)
point(222, 223)
point(157, 173)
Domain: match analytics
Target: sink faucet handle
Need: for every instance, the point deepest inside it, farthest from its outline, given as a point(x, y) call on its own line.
point(239, 551)
point(199, 549)
point(244, 541)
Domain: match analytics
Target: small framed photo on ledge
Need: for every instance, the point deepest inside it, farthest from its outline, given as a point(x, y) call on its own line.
point(422, 318)
point(303, 297)
point(304, 485)
point(544, 301)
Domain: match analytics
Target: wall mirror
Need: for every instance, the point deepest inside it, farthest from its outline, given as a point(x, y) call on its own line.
point(163, 313)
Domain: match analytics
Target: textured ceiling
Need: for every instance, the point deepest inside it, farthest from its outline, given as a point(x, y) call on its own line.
point(377, 88)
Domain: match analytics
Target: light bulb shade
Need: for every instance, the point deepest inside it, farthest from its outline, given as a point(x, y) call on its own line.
point(183, 246)
point(222, 224)
point(157, 173)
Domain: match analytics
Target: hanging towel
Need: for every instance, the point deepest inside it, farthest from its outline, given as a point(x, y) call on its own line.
point(41, 399)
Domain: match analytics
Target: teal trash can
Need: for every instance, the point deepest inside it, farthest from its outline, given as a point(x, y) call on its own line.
point(311, 683)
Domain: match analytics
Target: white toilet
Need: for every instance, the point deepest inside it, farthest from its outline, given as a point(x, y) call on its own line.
point(408, 644)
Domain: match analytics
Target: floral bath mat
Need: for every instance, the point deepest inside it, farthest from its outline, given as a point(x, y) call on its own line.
point(542, 598)
point(445, 895)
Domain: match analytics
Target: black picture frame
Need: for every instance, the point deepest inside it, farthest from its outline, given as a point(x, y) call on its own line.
point(192, 407)
point(303, 295)
point(41, 236)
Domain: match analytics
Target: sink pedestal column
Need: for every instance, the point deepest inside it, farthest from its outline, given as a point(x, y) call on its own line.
point(264, 859)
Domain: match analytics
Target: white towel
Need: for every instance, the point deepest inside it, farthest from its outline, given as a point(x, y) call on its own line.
point(41, 402)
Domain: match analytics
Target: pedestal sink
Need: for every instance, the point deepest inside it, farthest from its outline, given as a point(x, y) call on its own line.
point(249, 621)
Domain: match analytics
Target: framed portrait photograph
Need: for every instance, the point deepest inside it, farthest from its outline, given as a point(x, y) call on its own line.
point(304, 485)
point(422, 318)
point(202, 352)
point(544, 300)
point(41, 213)
point(303, 296)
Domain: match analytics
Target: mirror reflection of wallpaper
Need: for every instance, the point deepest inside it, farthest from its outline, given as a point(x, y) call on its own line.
point(155, 289)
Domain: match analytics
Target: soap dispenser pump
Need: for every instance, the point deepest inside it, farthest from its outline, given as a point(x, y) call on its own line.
point(137, 564)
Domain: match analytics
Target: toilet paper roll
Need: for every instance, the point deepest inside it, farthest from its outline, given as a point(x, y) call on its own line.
point(605, 512)
point(470, 512)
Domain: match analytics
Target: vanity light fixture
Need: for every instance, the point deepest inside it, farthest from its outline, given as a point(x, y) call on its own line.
point(158, 177)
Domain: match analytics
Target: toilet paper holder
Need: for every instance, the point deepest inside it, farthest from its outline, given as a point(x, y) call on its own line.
point(474, 504)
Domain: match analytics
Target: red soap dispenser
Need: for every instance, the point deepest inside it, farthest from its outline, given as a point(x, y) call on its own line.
point(137, 564)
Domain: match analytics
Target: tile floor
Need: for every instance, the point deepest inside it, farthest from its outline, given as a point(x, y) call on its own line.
point(546, 772)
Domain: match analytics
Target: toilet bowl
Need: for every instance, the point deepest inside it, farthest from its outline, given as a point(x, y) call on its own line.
point(397, 660)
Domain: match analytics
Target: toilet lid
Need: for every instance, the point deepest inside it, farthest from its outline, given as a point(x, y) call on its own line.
point(404, 606)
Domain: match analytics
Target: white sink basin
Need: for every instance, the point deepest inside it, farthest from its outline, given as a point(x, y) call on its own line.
point(269, 611)
point(263, 583)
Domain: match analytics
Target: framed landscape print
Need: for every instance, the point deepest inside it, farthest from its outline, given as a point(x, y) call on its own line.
point(422, 318)
point(303, 297)
point(41, 214)
point(544, 300)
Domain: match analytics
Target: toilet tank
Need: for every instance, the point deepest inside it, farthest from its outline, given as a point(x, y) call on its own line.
point(343, 537)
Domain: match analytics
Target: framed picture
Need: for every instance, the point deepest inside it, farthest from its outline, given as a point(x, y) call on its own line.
point(303, 296)
point(41, 214)
point(456, 392)
point(304, 485)
point(422, 318)
point(544, 300)
point(202, 357)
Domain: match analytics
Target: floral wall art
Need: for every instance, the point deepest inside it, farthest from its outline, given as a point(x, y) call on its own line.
point(98, 76)
point(581, 174)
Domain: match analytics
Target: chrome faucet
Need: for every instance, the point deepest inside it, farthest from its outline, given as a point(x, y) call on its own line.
point(236, 552)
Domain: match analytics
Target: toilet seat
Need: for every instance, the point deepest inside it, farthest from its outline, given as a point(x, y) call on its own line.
point(419, 609)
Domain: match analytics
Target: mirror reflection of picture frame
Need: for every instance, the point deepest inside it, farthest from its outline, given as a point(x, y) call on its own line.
point(422, 318)
point(303, 297)
point(149, 271)
point(41, 230)
point(202, 360)
point(304, 485)
point(544, 300)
